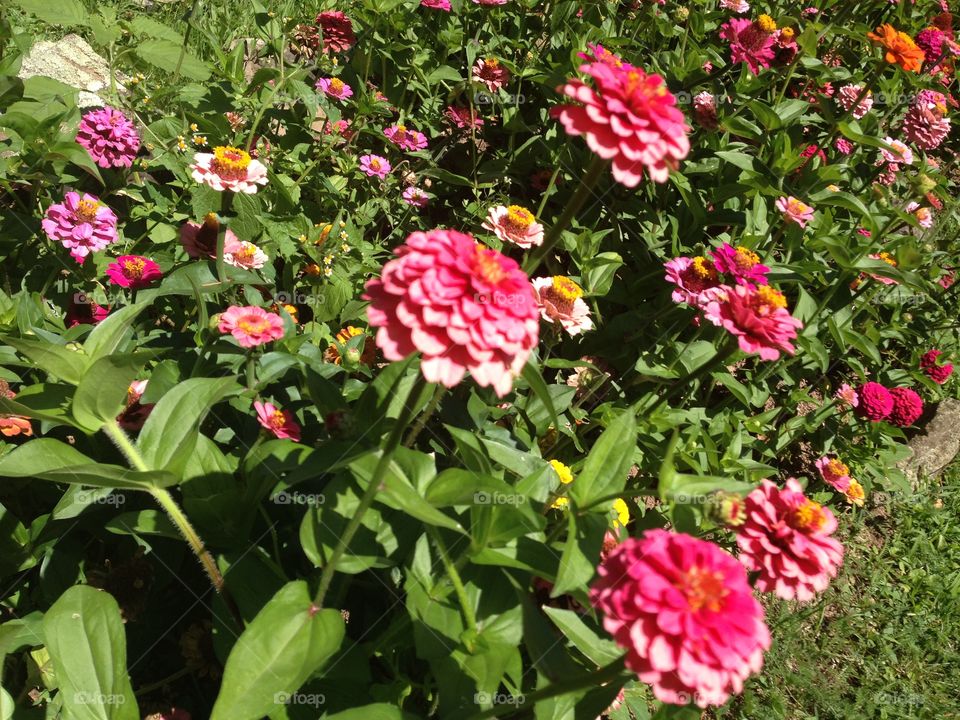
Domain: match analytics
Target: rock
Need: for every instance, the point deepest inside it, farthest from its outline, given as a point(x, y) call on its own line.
point(936, 447)
point(73, 62)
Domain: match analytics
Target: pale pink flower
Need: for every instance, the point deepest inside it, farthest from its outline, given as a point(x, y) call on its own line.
point(686, 614)
point(491, 73)
point(757, 317)
point(375, 166)
point(786, 539)
point(229, 168)
point(925, 124)
point(514, 224)
point(109, 137)
point(922, 214)
point(900, 155)
point(462, 117)
point(405, 138)
point(244, 255)
point(705, 110)
point(280, 423)
point(416, 197)
point(464, 306)
point(847, 395)
point(794, 211)
point(133, 271)
point(737, 6)
point(847, 95)
point(335, 88)
point(251, 326)
point(83, 225)
point(561, 301)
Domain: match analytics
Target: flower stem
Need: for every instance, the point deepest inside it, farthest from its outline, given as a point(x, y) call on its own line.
point(584, 190)
point(226, 203)
point(469, 618)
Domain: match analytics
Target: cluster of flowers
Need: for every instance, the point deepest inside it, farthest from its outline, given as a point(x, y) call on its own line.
point(900, 406)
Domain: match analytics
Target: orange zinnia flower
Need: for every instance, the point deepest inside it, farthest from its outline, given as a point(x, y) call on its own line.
point(900, 47)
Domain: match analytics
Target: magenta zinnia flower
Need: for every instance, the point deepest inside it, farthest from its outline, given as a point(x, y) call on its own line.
point(133, 271)
point(686, 614)
point(416, 197)
point(514, 224)
point(929, 363)
point(561, 301)
point(279, 422)
point(375, 166)
point(109, 137)
point(692, 277)
point(336, 30)
point(83, 225)
point(705, 110)
point(436, 4)
point(251, 326)
point(786, 539)
point(742, 263)
point(629, 117)
point(83, 311)
point(462, 117)
point(757, 317)
point(874, 401)
point(907, 407)
point(925, 124)
point(462, 305)
point(335, 88)
point(834, 472)
point(405, 138)
point(229, 168)
point(751, 41)
point(794, 211)
point(491, 73)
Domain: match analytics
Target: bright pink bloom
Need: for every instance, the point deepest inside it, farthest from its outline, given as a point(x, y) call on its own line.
point(229, 168)
point(404, 138)
point(335, 88)
point(875, 401)
point(751, 41)
point(416, 197)
point(436, 4)
point(925, 124)
point(794, 211)
point(83, 225)
point(848, 395)
point(341, 127)
point(907, 407)
point(685, 612)
point(835, 473)
point(757, 317)
point(109, 137)
point(561, 301)
point(251, 326)
point(786, 539)
point(464, 306)
point(491, 73)
point(279, 422)
point(630, 118)
point(900, 155)
point(375, 166)
point(692, 277)
point(930, 40)
point(741, 263)
point(847, 95)
point(462, 117)
point(843, 146)
point(514, 224)
point(929, 363)
point(133, 271)
point(336, 31)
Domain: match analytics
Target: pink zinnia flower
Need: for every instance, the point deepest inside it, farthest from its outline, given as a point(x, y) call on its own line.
point(83, 225)
point(847, 95)
point(133, 271)
point(404, 138)
point(875, 401)
point(336, 31)
point(846, 394)
point(243, 254)
point(786, 539)
point(489, 72)
point(490, 2)
point(737, 6)
point(375, 166)
point(929, 363)
point(416, 197)
point(436, 4)
point(135, 414)
point(279, 422)
point(740, 262)
point(335, 88)
point(751, 41)
point(514, 224)
point(561, 301)
point(464, 306)
point(925, 124)
point(229, 168)
point(900, 155)
point(888, 259)
point(794, 211)
point(630, 118)
point(834, 472)
point(685, 612)
point(705, 110)
point(757, 317)
point(109, 137)
point(462, 117)
point(907, 407)
point(251, 325)
point(843, 146)
point(922, 214)
point(692, 277)
point(340, 127)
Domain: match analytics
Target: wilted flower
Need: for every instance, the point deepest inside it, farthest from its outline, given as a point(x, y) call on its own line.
point(83, 225)
point(560, 300)
point(705, 110)
point(133, 271)
point(229, 168)
point(109, 137)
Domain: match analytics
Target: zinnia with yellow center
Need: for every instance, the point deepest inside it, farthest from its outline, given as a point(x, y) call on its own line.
point(560, 301)
point(229, 168)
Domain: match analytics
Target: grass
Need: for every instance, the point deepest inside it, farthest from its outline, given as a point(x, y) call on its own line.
point(884, 641)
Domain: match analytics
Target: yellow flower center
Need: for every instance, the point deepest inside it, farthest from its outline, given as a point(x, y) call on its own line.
point(277, 419)
point(786, 34)
point(767, 299)
point(855, 492)
point(253, 326)
point(746, 258)
point(246, 252)
point(703, 268)
point(797, 207)
point(487, 265)
point(566, 288)
point(133, 268)
point(887, 258)
point(230, 163)
point(518, 219)
point(837, 468)
point(767, 24)
point(808, 517)
point(336, 85)
point(563, 472)
point(87, 210)
point(703, 589)
point(375, 164)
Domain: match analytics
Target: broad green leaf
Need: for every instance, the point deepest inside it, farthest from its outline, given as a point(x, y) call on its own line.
point(288, 641)
point(166, 55)
point(531, 373)
point(102, 392)
point(7, 707)
point(58, 360)
point(609, 461)
point(45, 401)
point(114, 331)
point(377, 711)
point(26, 631)
point(581, 553)
point(56, 12)
point(599, 650)
point(86, 640)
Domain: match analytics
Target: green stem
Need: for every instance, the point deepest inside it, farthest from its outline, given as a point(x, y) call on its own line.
point(469, 618)
point(393, 442)
point(425, 416)
point(585, 189)
point(722, 354)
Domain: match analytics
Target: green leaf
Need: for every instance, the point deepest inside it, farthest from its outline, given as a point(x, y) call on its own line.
point(143, 522)
point(599, 650)
point(166, 54)
point(57, 360)
point(114, 331)
point(45, 401)
point(581, 552)
point(170, 433)
point(533, 377)
point(148, 27)
point(86, 640)
point(56, 12)
point(609, 461)
point(377, 711)
point(288, 641)
point(102, 392)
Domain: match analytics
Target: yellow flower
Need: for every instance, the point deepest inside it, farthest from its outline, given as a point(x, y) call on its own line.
point(563, 472)
point(621, 511)
point(561, 503)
